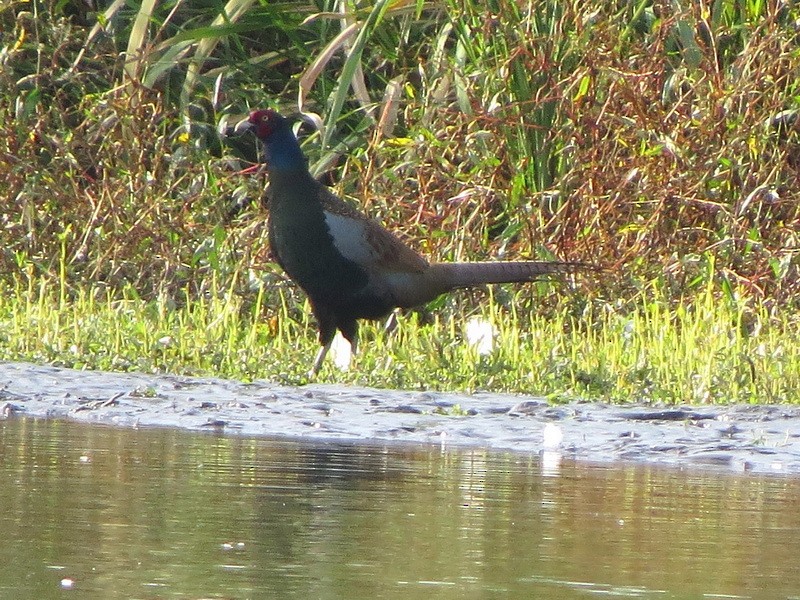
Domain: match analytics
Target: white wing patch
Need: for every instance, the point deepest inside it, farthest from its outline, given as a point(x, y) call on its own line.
point(350, 238)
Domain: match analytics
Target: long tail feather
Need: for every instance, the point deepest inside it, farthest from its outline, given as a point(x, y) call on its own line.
point(460, 275)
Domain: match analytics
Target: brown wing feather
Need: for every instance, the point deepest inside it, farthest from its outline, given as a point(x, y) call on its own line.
point(391, 253)
point(394, 254)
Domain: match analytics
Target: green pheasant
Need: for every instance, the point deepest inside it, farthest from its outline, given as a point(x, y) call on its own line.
point(350, 266)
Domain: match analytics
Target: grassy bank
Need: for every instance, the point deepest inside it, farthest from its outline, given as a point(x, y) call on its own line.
point(712, 352)
point(658, 143)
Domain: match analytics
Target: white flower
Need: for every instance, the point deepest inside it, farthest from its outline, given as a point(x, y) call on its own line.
point(480, 335)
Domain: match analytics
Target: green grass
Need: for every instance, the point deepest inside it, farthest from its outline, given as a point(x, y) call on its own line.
point(617, 133)
point(708, 353)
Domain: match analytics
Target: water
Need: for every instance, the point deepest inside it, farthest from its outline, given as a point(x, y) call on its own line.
point(101, 512)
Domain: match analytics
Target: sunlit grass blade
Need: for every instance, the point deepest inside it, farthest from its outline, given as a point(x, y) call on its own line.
point(350, 69)
point(136, 51)
point(310, 75)
point(232, 11)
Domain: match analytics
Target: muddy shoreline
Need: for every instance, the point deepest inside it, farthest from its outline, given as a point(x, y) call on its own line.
point(757, 438)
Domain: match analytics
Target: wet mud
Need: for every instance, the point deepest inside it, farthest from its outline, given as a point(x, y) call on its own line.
point(757, 438)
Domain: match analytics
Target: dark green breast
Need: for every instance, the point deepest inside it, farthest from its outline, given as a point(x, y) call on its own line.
point(302, 245)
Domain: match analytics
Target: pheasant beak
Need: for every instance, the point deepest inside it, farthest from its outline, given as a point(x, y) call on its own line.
point(243, 126)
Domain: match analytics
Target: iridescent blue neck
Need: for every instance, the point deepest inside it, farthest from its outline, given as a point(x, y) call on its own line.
point(282, 150)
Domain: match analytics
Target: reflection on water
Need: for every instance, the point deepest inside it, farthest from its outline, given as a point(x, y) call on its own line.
point(165, 514)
